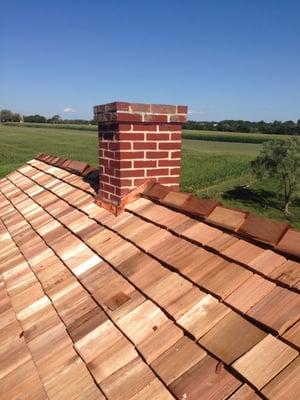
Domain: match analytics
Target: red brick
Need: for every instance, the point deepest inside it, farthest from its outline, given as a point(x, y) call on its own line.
point(108, 188)
point(168, 180)
point(124, 127)
point(163, 109)
point(125, 164)
point(109, 171)
point(175, 171)
point(175, 136)
point(145, 127)
point(176, 154)
point(155, 118)
point(169, 163)
point(131, 136)
point(157, 154)
point(109, 154)
point(104, 178)
point(182, 109)
point(157, 136)
point(169, 146)
point(103, 145)
point(130, 155)
point(120, 146)
point(120, 164)
point(144, 146)
point(122, 106)
point(120, 182)
point(170, 127)
point(130, 173)
point(138, 107)
point(158, 172)
point(104, 162)
point(145, 164)
point(129, 117)
point(117, 105)
point(178, 118)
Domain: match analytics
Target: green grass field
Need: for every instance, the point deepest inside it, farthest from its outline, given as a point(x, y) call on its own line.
point(210, 168)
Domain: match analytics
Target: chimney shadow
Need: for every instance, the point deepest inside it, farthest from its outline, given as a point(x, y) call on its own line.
point(93, 180)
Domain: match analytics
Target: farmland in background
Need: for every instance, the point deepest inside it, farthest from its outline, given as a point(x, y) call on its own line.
point(210, 168)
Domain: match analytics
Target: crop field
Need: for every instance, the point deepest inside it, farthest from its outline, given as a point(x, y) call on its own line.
point(210, 168)
point(215, 136)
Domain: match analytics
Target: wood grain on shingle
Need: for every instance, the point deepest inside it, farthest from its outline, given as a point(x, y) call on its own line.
point(203, 316)
point(293, 335)
point(264, 361)
point(286, 385)
point(179, 358)
point(278, 310)
point(205, 380)
point(231, 337)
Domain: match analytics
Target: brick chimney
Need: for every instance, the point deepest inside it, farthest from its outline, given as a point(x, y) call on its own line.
point(137, 143)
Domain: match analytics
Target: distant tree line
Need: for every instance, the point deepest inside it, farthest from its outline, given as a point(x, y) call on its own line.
point(56, 119)
point(9, 116)
point(275, 127)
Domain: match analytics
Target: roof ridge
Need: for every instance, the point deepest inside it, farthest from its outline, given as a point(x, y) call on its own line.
point(77, 167)
point(260, 230)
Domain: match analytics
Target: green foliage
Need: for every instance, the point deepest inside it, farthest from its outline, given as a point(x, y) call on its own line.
point(275, 127)
point(280, 160)
point(9, 116)
point(74, 127)
point(56, 119)
point(34, 118)
point(232, 137)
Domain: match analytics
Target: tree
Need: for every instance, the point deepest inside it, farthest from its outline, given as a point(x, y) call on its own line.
point(9, 116)
point(56, 119)
point(16, 117)
point(5, 115)
point(34, 118)
point(280, 159)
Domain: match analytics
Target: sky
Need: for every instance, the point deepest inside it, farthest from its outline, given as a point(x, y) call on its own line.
point(225, 59)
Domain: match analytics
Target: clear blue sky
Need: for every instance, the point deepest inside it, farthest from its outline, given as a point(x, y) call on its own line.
point(224, 59)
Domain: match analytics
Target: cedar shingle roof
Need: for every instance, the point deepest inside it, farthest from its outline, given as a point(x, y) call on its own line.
point(177, 297)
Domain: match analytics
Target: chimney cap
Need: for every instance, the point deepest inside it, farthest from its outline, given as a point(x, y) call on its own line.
point(139, 112)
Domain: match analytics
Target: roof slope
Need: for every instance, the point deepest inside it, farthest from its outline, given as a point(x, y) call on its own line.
point(152, 304)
